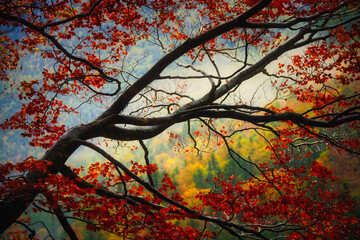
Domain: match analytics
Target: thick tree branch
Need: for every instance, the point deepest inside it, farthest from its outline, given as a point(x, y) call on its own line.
point(120, 104)
point(296, 118)
point(63, 221)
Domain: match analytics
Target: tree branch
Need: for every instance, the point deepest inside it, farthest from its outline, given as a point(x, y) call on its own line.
point(294, 117)
point(60, 47)
point(161, 196)
point(63, 221)
point(120, 104)
point(147, 161)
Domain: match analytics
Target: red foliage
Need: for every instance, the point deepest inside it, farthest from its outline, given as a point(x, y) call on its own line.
point(83, 41)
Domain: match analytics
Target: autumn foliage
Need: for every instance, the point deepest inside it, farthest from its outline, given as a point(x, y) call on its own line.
point(263, 92)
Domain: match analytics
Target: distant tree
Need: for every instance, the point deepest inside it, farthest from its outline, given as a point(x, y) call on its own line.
point(199, 178)
point(287, 71)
